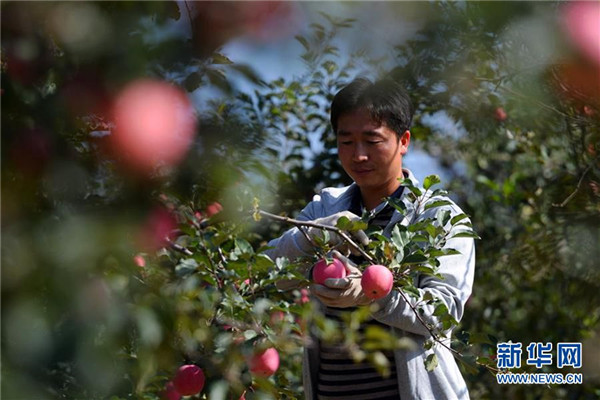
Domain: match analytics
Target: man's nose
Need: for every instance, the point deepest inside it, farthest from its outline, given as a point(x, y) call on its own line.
point(360, 153)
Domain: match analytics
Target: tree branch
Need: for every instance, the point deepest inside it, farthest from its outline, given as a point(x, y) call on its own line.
point(564, 203)
point(310, 224)
point(179, 248)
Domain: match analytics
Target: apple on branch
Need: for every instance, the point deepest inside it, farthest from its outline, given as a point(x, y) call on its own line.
point(189, 380)
point(377, 281)
point(265, 364)
point(170, 393)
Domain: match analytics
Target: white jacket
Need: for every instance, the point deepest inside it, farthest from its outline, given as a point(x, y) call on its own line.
point(415, 382)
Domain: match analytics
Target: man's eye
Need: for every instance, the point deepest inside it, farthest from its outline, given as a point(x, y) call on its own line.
point(374, 141)
point(346, 142)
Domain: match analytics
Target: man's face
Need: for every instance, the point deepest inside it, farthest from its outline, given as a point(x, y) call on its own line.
point(370, 153)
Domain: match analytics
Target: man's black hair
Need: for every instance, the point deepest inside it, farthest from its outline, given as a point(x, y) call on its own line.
point(386, 101)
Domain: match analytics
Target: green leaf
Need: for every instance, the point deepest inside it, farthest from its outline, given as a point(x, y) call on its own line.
point(443, 216)
point(467, 234)
point(431, 230)
point(414, 258)
point(420, 238)
point(437, 203)
point(443, 252)
point(262, 263)
point(345, 224)
point(423, 269)
point(243, 247)
point(431, 362)
point(397, 204)
point(439, 192)
point(412, 291)
point(186, 267)
point(218, 390)
point(457, 218)
point(419, 226)
point(469, 362)
point(486, 361)
point(431, 180)
point(415, 190)
point(219, 58)
point(440, 310)
point(250, 334)
point(399, 239)
point(478, 338)
point(428, 296)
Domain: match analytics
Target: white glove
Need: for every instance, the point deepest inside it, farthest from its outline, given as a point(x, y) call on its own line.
point(334, 239)
point(345, 292)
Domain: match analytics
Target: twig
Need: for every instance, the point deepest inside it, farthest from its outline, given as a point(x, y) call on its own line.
point(457, 354)
point(310, 224)
point(189, 13)
point(180, 248)
point(521, 95)
point(564, 203)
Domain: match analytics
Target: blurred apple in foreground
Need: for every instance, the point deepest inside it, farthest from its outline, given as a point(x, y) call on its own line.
point(582, 23)
point(500, 114)
point(155, 124)
point(304, 296)
point(157, 229)
point(213, 208)
point(139, 260)
point(170, 392)
point(266, 363)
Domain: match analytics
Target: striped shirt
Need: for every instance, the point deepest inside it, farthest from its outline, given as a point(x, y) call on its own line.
point(340, 377)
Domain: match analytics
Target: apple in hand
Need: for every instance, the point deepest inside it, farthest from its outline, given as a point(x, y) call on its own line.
point(266, 363)
point(377, 281)
point(189, 380)
point(323, 270)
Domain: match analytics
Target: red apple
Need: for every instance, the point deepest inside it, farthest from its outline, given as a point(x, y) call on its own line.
point(322, 270)
point(304, 296)
point(154, 125)
point(170, 392)
point(156, 231)
point(581, 20)
point(213, 209)
point(189, 380)
point(377, 281)
point(139, 261)
point(266, 363)
point(500, 114)
point(277, 317)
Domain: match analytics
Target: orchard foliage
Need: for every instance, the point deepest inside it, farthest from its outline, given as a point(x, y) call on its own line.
point(113, 279)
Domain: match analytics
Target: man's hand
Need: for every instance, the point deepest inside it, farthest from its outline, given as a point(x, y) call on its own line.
point(334, 239)
point(344, 292)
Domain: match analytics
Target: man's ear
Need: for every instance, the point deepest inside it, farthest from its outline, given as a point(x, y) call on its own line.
point(404, 141)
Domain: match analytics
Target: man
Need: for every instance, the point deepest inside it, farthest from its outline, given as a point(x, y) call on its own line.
point(371, 122)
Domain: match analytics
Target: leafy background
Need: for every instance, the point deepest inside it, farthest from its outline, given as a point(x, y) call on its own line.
point(81, 320)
